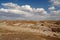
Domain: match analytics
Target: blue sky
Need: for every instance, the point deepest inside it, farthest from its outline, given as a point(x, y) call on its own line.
point(30, 9)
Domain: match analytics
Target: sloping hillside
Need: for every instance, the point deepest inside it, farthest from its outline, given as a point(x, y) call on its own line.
point(29, 30)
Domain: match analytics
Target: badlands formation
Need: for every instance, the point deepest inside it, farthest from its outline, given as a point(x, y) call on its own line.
point(29, 30)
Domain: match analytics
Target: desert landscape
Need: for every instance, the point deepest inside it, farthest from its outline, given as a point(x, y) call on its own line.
point(29, 19)
point(29, 30)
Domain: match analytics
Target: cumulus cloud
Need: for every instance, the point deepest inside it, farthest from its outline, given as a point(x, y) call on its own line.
point(26, 12)
point(15, 11)
point(27, 8)
point(51, 8)
point(11, 5)
point(55, 2)
point(54, 14)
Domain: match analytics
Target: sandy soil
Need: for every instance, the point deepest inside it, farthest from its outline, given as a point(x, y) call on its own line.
point(8, 32)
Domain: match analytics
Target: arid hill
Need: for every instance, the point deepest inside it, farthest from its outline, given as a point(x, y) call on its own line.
point(29, 30)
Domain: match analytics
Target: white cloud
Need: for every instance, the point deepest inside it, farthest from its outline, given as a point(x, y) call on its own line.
point(52, 8)
point(11, 5)
point(54, 14)
point(25, 10)
point(14, 11)
point(55, 2)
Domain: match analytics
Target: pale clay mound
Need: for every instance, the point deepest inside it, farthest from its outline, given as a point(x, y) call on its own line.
point(30, 30)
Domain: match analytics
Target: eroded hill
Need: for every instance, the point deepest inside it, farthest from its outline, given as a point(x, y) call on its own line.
point(29, 30)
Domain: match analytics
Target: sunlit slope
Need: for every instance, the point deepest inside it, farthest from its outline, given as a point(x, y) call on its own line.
point(29, 30)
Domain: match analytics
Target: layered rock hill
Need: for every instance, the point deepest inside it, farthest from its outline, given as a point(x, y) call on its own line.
point(29, 30)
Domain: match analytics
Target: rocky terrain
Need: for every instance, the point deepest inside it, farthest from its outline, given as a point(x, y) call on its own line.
point(29, 30)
